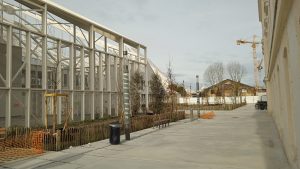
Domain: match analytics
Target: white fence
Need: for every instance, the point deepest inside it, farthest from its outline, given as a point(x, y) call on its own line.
point(214, 100)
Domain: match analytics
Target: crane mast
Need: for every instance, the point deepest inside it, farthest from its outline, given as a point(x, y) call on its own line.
point(253, 43)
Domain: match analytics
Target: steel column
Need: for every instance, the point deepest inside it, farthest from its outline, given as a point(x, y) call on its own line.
point(8, 75)
point(71, 79)
point(146, 79)
point(82, 83)
point(44, 60)
point(108, 78)
point(28, 78)
point(59, 81)
point(101, 84)
point(92, 70)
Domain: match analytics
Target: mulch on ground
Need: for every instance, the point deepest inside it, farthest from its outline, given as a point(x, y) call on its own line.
point(10, 154)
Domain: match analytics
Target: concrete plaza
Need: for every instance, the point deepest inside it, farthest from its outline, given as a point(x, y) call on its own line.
point(241, 139)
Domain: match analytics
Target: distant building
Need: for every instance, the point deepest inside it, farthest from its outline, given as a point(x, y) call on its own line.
point(228, 88)
point(225, 92)
point(281, 48)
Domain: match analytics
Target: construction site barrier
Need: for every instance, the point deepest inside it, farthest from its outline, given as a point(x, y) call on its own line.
point(210, 107)
point(21, 142)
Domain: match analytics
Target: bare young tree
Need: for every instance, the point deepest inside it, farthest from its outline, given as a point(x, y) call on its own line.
point(171, 86)
point(54, 82)
point(236, 71)
point(214, 74)
point(53, 97)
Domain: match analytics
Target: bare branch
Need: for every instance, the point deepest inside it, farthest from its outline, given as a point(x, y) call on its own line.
point(171, 86)
point(214, 73)
point(236, 71)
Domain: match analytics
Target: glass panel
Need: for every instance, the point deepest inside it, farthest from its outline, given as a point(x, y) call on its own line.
point(52, 64)
point(60, 28)
point(107, 76)
point(120, 76)
point(114, 104)
point(36, 109)
point(18, 107)
point(21, 16)
point(97, 70)
point(131, 68)
point(18, 59)
point(105, 105)
point(112, 74)
point(66, 109)
point(142, 70)
point(113, 47)
point(49, 112)
point(65, 66)
point(82, 37)
point(99, 44)
point(77, 66)
point(3, 101)
point(87, 70)
point(98, 102)
point(88, 106)
point(3, 40)
point(77, 106)
point(36, 61)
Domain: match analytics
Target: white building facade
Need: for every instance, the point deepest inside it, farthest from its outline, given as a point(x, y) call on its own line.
point(280, 21)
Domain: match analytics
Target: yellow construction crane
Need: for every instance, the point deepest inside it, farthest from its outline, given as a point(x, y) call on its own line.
point(257, 66)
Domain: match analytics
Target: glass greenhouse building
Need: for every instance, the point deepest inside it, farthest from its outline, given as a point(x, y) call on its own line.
point(45, 48)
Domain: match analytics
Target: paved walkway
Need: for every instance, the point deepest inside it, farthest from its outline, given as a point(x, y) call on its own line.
point(239, 139)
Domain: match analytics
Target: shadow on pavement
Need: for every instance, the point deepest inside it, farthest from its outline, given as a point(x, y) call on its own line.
point(271, 145)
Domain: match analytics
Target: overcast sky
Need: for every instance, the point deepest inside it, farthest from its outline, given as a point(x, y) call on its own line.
point(192, 33)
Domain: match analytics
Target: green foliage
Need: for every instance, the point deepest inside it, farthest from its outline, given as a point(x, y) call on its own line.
point(158, 93)
point(135, 92)
point(172, 88)
point(178, 88)
point(182, 91)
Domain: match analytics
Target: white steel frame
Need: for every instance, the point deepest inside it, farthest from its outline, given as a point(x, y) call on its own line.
point(139, 61)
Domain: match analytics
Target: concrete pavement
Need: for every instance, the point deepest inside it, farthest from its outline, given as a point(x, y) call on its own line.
point(239, 139)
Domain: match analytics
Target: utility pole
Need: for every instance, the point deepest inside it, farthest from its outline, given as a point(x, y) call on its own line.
point(185, 97)
point(198, 94)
